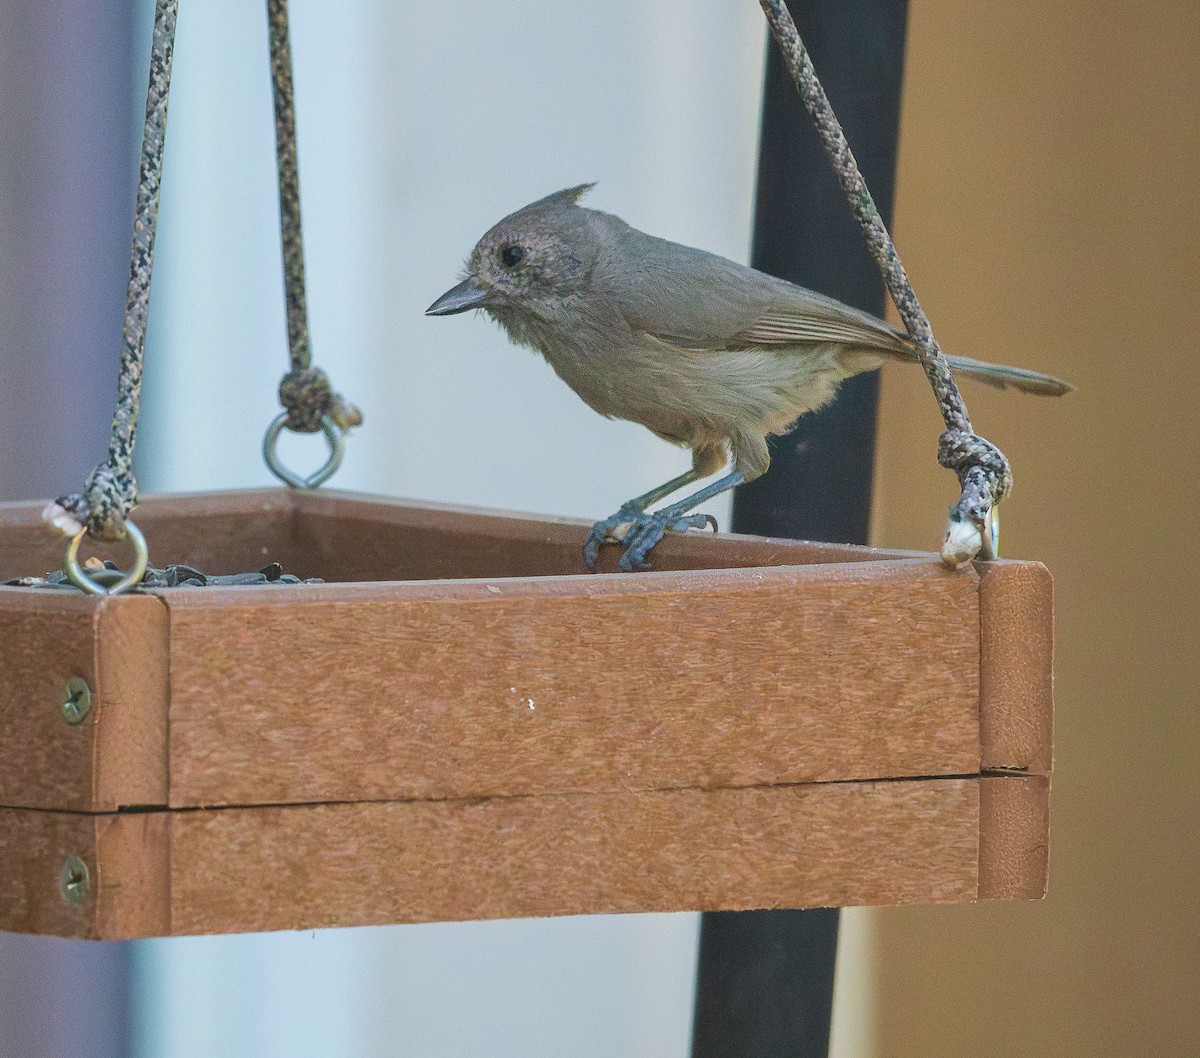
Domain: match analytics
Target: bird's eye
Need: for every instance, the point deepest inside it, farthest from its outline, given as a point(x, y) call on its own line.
point(512, 255)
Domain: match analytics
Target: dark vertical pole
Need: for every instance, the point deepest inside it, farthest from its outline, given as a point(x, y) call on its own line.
point(67, 172)
point(765, 985)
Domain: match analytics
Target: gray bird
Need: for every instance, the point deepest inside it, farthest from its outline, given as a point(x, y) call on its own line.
point(704, 352)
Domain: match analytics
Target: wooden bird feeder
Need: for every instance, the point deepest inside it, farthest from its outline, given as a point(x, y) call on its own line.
point(460, 726)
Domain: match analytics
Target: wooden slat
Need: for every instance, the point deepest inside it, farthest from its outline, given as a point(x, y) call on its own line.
point(310, 866)
point(222, 532)
point(34, 846)
point(132, 875)
point(1016, 666)
point(347, 537)
point(130, 711)
point(1014, 837)
point(27, 547)
point(45, 639)
point(117, 755)
point(344, 537)
point(471, 688)
point(225, 532)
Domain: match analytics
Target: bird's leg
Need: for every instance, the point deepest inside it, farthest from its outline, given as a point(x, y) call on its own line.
point(651, 527)
point(631, 511)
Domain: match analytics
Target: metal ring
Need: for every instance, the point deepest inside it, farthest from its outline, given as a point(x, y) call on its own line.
point(337, 449)
point(107, 581)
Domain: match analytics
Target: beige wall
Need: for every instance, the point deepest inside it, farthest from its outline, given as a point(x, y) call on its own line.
point(1049, 216)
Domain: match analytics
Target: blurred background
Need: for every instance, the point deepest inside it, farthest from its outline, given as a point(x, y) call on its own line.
point(1044, 213)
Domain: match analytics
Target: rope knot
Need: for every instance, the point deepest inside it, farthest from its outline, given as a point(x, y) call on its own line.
point(109, 494)
point(963, 452)
point(307, 395)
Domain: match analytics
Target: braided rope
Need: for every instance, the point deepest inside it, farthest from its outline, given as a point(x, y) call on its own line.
point(305, 392)
point(983, 472)
point(110, 492)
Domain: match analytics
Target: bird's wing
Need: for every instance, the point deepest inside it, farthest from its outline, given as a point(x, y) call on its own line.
point(698, 300)
point(801, 315)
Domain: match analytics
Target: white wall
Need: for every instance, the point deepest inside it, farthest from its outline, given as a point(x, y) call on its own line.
point(419, 126)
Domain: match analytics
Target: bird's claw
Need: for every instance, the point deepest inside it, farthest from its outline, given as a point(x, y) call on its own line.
point(603, 531)
point(645, 530)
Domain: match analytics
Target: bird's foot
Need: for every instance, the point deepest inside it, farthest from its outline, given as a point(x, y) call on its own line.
point(604, 531)
point(644, 530)
point(648, 530)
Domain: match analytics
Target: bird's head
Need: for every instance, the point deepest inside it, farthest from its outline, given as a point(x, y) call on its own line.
point(530, 261)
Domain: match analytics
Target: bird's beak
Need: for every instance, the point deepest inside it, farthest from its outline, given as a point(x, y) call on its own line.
point(469, 294)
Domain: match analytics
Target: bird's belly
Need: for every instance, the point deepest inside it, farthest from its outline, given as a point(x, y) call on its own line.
point(761, 391)
point(698, 396)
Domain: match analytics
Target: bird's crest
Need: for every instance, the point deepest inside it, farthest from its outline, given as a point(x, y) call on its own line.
point(569, 194)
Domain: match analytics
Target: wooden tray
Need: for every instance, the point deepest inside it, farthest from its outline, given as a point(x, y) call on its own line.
point(462, 724)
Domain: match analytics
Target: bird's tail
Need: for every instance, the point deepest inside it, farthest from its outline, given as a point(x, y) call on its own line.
point(1001, 376)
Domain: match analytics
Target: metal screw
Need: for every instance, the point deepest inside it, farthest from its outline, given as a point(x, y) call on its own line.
point(77, 700)
point(74, 881)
